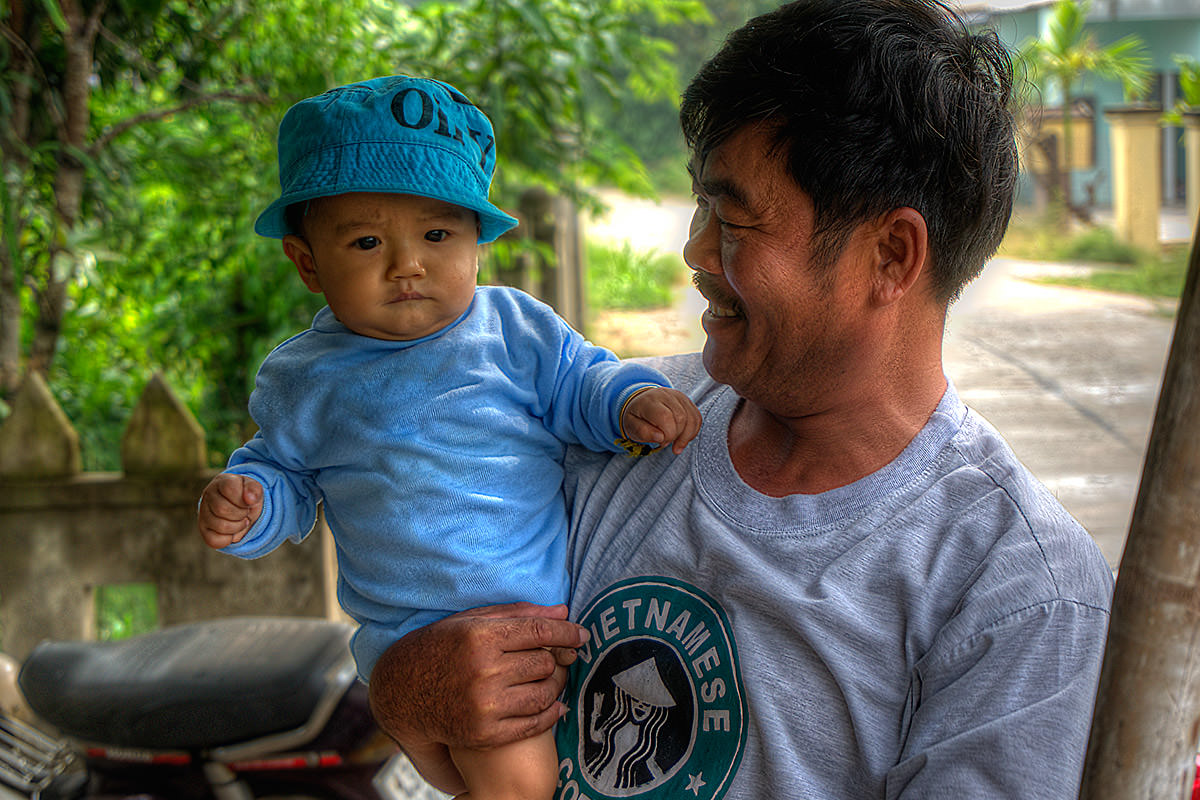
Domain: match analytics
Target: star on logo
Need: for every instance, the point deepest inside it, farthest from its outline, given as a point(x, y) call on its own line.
point(695, 782)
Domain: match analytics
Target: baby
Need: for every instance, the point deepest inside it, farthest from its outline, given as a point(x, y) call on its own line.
point(428, 414)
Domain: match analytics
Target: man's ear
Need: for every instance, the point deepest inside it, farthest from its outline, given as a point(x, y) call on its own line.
point(902, 248)
point(300, 254)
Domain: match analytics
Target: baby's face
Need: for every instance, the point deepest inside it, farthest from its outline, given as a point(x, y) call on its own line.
point(391, 266)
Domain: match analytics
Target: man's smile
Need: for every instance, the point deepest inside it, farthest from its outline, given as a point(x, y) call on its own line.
point(721, 303)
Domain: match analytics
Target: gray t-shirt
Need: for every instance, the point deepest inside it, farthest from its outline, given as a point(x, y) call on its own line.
point(932, 630)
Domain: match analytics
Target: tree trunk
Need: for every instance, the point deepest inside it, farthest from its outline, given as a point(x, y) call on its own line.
point(10, 328)
point(1147, 720)
point(51, 307)
point(79, 41)
point(14, 164)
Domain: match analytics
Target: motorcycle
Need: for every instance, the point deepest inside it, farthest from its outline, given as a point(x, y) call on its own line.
point(231, 709)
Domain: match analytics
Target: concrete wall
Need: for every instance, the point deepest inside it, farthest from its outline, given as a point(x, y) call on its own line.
point(63, 533)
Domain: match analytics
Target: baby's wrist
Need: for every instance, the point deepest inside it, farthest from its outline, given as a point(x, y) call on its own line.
point(629, 401)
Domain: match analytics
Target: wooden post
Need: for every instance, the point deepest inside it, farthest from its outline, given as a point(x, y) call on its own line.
point(1147, 720)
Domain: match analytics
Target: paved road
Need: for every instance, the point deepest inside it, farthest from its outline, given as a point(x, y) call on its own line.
point(1069, 376)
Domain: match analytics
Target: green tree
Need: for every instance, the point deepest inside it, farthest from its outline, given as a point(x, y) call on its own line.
point(650, 125)
point(132, 132)
point(1061, 57)
point(552, 74)
point(54, 55)
point(1189, 89)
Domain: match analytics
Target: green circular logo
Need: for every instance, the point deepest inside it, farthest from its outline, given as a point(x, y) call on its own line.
point(657, 708)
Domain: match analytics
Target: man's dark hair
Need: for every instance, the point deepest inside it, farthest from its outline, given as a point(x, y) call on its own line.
point(875, 105)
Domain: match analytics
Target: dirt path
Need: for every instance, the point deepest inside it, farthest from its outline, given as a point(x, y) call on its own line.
point(649, 226)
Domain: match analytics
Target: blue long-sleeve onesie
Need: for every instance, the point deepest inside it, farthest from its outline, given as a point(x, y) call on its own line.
point(439, 460)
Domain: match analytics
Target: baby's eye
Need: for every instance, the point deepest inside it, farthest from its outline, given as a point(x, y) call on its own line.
point(437, 235)
point(366, 242)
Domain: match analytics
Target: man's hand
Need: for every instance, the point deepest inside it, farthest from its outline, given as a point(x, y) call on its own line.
point(660, 416)
point(478, 679)
point(229, 506)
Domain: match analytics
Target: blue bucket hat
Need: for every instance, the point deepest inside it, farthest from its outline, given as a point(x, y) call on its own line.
point(400, 135)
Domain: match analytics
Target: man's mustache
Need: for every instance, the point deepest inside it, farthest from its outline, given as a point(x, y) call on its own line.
point(713, 289)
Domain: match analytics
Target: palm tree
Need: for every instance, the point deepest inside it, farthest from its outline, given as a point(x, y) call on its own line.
point(1062, 56)
point(1189, 89)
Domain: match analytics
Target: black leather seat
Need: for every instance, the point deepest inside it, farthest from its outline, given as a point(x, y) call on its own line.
point(189, 687)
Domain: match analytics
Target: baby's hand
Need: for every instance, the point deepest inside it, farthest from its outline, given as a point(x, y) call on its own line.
point(661, 416)
point(229, 506)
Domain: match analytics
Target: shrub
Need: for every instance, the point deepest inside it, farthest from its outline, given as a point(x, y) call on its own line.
point(622, 278)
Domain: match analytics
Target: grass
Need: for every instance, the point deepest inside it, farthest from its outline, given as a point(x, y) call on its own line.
point(125, 609)
point(1118, 266)
point(621, 278)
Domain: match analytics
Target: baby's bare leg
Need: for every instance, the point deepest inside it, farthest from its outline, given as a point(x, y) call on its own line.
point(524, 770)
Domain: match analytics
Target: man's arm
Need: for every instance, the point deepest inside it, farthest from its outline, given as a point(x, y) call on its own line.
point(477, 679)
point(1007, 712)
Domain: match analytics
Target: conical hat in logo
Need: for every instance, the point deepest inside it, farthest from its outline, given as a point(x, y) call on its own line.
point(642, 682)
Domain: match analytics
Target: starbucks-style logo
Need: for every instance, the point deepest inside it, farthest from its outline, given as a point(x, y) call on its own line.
point(656, 697)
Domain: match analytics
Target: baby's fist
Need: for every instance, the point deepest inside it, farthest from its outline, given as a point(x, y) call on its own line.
point(661, 416)
point(229, 506)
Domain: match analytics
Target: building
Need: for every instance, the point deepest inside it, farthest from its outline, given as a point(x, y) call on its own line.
point(1167, 27)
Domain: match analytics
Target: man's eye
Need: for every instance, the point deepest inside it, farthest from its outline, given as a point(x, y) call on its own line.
point(366, 243)
point(438, 235)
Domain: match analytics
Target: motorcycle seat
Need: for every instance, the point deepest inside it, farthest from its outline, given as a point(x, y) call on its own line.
point(191, 687)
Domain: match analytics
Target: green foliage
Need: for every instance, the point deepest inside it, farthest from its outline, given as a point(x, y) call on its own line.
point(1120, 267)
point(1189, 89)
point(1060, 58)
point(651, 126)
point(1189, 79)
point(1041, 240)
point(622, 278)
point(551, 75)
point(124, 610)
point(1096, 245)
point(1067, 51)
point(1157, 277)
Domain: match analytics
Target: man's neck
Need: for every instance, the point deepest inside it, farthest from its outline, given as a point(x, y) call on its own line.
point(855, 436)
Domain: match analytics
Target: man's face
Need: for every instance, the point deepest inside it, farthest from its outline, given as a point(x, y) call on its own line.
point(781, 331)
point(391, 266)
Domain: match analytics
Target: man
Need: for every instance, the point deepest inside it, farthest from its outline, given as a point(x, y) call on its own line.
point(848, 586)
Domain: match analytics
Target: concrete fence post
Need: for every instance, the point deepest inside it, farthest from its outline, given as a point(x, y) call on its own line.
point(37, 440)
point(162, 436)
point(1191, 157)
point(64, 532)
point(1137, 174)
